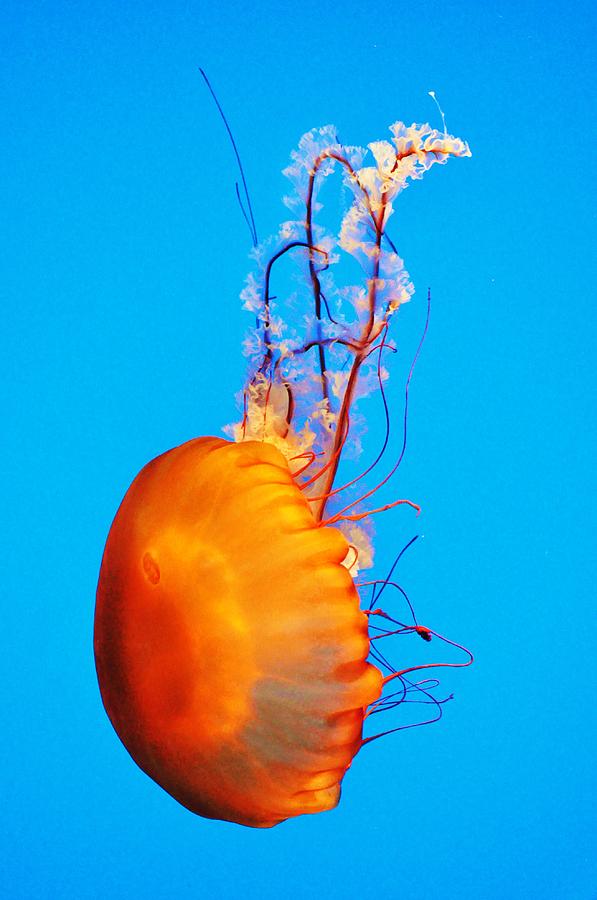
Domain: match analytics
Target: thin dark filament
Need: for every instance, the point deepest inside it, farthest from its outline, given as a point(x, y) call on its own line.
point(267, 298)
point(431, 699)
point(387, 429)
point(323, 342)
point(384, 481)
point(385, 632)
point(327, 342)
point(356, 365)
point(330, 154)
point(343, 418)
point(266, 401)
point(384, 399)
point(245, 214)
point(266, 365)
point(428, 683)
point(386, 580)
point(311, 455)
point(391, 243)
point(441, 665)
point(336, 453)
point(339, 444)
point(327, 308)
point(291, 405)
point(409, 687)
point(380, 658)
point(316, 285)
point(251, 224)
point(423, 686)
point(266, 295)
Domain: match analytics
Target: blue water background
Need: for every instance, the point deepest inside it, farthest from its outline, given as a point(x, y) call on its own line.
point(123, 255)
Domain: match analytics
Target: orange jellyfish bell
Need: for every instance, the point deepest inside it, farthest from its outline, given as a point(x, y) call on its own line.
point(233, 657)
point(230, 647)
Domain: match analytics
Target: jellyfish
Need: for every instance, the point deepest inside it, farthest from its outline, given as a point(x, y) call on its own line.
point(237, 657)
